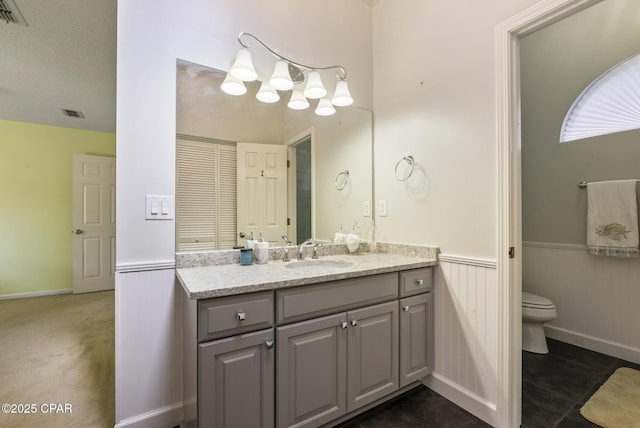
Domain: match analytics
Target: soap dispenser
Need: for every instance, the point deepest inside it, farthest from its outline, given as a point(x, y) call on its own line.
point(352, 239)
point(261, 250)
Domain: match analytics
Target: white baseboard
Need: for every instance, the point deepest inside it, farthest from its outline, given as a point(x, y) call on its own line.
point(168, 417)
point(36, 294)
point(593, 343)
point(462, 397)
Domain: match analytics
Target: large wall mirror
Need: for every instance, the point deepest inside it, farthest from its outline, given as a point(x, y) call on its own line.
point(245, 167)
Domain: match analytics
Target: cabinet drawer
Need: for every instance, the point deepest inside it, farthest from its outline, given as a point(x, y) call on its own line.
point(227, 316)
point(312, 301)
point(415, 281)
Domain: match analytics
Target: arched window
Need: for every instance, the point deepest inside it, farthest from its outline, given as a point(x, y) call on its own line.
point(610, 104)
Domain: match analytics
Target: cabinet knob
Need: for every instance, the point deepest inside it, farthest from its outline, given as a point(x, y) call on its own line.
point(419, 281)
point(405, 308)
point(344, 324)
point(268, 344)
point(241, 316)
point(354, 323)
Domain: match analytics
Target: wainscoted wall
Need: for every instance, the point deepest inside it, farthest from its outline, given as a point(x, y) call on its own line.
point(596, 297)
point(466, 334)
point(148, 346)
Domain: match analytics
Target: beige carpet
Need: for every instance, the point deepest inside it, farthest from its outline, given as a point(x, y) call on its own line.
point(58, 350)
point(617, 403)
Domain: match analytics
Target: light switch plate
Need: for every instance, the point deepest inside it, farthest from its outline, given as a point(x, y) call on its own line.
point(366, 209)
point(159, 207)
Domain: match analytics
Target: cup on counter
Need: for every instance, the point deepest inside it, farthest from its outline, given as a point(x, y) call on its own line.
point(246, 256)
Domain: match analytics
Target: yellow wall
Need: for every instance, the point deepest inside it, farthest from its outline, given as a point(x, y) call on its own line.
point(35, 203)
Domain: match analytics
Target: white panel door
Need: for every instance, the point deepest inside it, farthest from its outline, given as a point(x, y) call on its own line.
point(94, 223)
point(262, 190)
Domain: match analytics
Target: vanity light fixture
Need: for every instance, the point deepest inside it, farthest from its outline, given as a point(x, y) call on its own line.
point(286, 74)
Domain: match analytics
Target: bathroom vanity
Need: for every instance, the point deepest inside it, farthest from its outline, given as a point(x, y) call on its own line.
point(303, 343)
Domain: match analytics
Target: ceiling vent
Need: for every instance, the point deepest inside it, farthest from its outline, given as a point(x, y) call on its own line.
point(72, 113)
point(10, 13)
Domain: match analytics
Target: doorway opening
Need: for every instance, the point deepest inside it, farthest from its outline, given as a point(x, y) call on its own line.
point(509, 270)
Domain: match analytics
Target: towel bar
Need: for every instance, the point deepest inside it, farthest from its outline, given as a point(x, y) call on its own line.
point(583, 184)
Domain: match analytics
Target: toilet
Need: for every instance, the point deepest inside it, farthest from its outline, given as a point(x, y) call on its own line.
point(536, 310)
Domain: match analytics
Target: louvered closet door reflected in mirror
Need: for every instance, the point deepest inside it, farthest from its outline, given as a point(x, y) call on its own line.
point(206, 201)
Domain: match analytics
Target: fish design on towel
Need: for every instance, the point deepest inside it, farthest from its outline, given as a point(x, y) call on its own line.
point(615, 231)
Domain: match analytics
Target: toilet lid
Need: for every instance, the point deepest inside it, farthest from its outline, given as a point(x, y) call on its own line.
point(531, 300)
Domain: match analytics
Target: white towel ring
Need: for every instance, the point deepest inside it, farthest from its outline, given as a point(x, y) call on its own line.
point(342, 179)
point(409, 159)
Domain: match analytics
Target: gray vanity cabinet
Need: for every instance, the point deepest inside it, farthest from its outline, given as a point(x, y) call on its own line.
point(311, 371)
point(332, 365)
point(235, 385)
point(416, 338)
point(306, 356)
point(372, 369)
point(235, 361)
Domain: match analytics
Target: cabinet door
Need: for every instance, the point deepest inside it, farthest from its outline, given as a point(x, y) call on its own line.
point(311, 371)
point(415, 338)
point(373, 353)
point(236, 381)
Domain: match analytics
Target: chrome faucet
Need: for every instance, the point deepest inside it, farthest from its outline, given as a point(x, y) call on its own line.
point(301, 248)
point(286, 250)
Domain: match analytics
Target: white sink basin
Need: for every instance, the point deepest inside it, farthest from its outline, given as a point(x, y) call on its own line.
point(319, 266)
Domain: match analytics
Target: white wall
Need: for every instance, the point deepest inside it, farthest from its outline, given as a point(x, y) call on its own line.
point(434, 74)
point(151, 36)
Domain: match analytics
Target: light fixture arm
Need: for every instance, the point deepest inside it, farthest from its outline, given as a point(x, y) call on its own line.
point(341, 72)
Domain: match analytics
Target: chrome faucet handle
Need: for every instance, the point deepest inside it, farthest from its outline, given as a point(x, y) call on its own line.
point(315, 251)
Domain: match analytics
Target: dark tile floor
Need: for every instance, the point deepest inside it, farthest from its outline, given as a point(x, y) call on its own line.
point(556, 385)
point(420, 407)
point(554, 388)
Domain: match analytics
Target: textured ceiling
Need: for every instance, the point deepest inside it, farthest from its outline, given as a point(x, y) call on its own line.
point(64, 58)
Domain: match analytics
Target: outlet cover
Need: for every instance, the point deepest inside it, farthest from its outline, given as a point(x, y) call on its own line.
point(383, 208)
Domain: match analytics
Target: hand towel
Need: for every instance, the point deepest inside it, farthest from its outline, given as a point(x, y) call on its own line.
point(612, 214)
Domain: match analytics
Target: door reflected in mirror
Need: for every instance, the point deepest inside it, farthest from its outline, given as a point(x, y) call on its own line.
point(211, 207)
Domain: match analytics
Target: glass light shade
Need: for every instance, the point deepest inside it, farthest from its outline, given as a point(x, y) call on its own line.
point(233, 86)
point(242, 67)
point(325, 108)
point(314, 89)
point(280, 78)
point(267, 94)
point(342, 97)
point(298, 101)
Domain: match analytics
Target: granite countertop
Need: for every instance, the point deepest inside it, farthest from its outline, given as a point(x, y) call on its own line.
point(229, 279)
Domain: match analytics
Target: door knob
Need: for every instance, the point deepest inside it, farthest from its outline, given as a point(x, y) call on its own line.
point(78, 231)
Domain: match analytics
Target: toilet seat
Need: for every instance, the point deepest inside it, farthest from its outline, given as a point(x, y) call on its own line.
point(533, 301)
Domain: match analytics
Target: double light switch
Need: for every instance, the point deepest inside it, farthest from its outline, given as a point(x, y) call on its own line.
point(159, 207)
